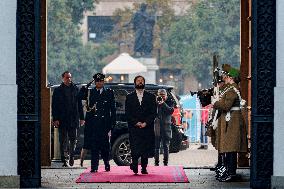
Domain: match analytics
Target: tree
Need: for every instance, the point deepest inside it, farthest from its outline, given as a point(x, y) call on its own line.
point(64, 42)
point(208, 27)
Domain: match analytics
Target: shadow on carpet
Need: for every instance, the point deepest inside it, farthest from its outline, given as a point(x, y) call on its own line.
point(119, 174)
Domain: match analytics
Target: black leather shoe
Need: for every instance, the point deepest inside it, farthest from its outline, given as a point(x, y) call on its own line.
point(107, 167)
point(144, 171)
point(65, 164)
point(134, 168)
point(94, 170)
point(71, 161)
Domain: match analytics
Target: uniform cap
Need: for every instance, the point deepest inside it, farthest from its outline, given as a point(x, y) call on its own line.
point(226, 68)
point(99, 77)
point(234, 72)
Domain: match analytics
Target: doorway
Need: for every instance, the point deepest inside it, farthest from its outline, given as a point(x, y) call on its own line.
point(31, 48)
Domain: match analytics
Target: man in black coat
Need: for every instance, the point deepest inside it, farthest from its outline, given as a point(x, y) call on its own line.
point(66, 112)
point(100, 119)
point(141, 110)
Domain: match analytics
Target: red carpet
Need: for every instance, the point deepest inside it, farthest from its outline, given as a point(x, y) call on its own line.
point(124, 174)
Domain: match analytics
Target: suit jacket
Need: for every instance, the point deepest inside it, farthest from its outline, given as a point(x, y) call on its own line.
point(68, 118)
point(142, 140)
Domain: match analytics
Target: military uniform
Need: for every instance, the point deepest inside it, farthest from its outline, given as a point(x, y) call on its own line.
point(231, 131)
point(99, 120)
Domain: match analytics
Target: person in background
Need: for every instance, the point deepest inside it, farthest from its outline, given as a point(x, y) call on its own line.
point(204, 119)
point(140, 111)
point(163, 131)
point(66, 112)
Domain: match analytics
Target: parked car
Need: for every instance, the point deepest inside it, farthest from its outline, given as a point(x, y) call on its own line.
point(120, 145)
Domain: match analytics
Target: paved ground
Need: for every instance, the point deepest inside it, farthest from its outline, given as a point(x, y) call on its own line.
point(196, 164)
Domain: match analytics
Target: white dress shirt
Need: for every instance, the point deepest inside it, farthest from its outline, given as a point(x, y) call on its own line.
point(140, 96)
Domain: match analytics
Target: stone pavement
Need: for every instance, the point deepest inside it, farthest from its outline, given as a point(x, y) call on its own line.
point(196, 163)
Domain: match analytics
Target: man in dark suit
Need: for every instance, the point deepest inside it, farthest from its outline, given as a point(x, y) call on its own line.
point(66, 112)
point(100, 119)
point(163, 130)
point(141, 110)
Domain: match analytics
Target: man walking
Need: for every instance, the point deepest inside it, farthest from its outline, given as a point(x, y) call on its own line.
point(100, 118)
point(66, 112)
point(141, 110)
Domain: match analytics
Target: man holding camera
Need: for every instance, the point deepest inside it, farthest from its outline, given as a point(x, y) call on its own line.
point(163, 131)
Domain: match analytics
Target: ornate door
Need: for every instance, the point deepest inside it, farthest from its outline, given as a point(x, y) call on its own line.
point(28, 81)
point(263, 83)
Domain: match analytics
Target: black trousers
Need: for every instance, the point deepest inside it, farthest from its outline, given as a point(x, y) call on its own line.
point(231, 162)
point(96, 151)
point(67, 140)
point(144, 160)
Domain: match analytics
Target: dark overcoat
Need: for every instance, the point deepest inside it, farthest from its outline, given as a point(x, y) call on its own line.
point(165, 111)
point(67, 117)
point(142, 140)
point(100, 120)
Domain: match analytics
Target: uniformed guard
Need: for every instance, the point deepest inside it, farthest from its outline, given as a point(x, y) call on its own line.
point(100, 118)
point(231, 130)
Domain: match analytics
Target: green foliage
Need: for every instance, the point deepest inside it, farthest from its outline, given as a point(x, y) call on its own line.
point(208, 27)
point(64, 42)
point(78, 7)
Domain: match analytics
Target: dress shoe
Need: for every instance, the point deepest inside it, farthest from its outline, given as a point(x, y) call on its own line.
point(94, 170)
point(71, 161)
point(144, 171)
point(65, 164)
point(134, 168)
point(203, 147)
point(165, 162)
point(225, 178)
point(107, 167)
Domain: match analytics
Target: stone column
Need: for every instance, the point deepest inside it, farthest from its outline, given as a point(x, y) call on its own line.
point(150, 75)
point(8, 95)
point(277, 180)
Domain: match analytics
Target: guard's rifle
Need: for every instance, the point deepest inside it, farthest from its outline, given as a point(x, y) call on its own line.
point(213, 115)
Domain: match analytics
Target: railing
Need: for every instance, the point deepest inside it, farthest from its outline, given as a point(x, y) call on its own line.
point(193, 125)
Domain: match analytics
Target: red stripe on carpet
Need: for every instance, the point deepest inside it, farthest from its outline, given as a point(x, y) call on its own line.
point(124, 174)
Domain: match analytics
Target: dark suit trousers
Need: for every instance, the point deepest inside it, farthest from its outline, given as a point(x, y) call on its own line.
point(67, 140)
point(96, 151)
point(144, 160)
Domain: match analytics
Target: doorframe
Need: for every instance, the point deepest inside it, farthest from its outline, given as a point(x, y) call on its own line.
point(30, 67)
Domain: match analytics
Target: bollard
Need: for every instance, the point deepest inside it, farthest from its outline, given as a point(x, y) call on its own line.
point(56, 156)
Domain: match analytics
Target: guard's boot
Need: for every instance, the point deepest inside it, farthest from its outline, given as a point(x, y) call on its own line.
point(134, 168)
point(144, 170)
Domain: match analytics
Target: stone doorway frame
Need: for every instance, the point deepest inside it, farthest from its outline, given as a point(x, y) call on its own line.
point(33, 96)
